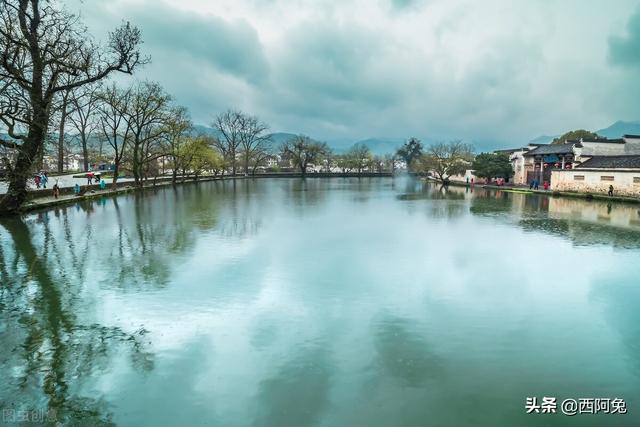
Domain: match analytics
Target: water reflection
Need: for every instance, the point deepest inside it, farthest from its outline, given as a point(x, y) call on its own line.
point(317, 302)
point(404, 353)
point(47, 349)
point(298, 392)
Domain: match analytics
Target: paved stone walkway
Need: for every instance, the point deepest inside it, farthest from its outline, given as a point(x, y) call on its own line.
point(64, 181)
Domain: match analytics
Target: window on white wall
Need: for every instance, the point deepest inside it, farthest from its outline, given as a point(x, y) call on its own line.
point(607, 178)
point(578, 177)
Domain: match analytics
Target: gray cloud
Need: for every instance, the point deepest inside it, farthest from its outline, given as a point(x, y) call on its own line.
point(355, 69)
point(625, 50)
point(233, 47)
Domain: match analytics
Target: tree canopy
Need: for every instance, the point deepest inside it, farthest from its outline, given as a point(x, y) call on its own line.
point(303, 151)
point(410, 151)
point(446, 159)
point(492, 165)
point(574, 134)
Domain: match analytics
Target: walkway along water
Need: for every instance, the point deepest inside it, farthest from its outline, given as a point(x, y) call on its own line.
point(39, 199)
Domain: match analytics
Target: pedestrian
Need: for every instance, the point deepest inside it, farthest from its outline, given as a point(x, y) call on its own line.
point(467, 180)
point(37, 180)
point(546, 185)
point(56, 190)
point(610, 191)
point(471, 181)
point(103, 184)
point(44, 179)
point(76, 188)
point(536, 184)
point(531, 184)
point(89, 178)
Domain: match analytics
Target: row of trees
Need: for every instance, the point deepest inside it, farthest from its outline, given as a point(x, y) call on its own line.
point(45, 52)
point(53, 78)
point(453, 158)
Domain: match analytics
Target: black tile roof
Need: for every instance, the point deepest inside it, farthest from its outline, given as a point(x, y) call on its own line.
point(631, 136)
point(551, 149)
point(611, 162)
point(511, 150)
point(604, 140)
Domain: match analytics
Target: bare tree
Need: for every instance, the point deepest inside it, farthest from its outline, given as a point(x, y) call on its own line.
point(303, 151)
point(229, 124)
point(45, 51)
point(177, 129)
point(359, 157)
point(146, 117)
point(62, 107)
point(446, 159)
point(83, 119)
point(253, 140)
point(112, 111)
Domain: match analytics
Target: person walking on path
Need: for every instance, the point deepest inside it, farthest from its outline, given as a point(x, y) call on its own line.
point(56, 190)
point(546, 185)
point(44, 179)
point(610, 193)
point(37, 180)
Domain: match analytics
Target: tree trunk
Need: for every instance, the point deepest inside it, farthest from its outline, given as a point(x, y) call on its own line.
point(85, 151)
point(116, 167)
point(18, 177)
point(63, 119)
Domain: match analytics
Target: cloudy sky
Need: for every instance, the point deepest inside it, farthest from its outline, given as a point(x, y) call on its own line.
point(495, 71)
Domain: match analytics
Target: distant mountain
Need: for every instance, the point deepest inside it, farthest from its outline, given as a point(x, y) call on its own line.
point(205, 130)
point(280, 138)
point(620, 128)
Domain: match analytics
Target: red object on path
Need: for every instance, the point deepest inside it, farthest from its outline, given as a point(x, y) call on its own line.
point(546, 185)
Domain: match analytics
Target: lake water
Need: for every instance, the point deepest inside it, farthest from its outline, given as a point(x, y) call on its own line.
point(329, 302)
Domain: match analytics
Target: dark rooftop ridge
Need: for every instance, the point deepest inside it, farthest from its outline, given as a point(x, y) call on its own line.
point(612, 162)
point(551, 149)
point(605, 140)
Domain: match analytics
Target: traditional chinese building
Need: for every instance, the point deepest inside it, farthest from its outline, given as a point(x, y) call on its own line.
point(598, 173)
point(538, 161)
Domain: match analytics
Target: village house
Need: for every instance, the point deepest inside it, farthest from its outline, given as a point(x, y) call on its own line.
point(537, 161)
point(72, 162)
point(519, 162)
point(598, 173)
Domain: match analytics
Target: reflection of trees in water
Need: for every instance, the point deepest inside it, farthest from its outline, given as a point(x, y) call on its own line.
point(491, 203)
point(304, 192)
point(583, 233)
point(243, 202)
point(563, 218)
point(47, 351)
point(446, 202)
point(153, 230)
point(298, 393)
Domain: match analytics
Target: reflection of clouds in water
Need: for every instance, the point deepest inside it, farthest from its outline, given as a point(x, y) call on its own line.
point(298, 392)
point(330, 312)
point(403, 351)
point(619, 293)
